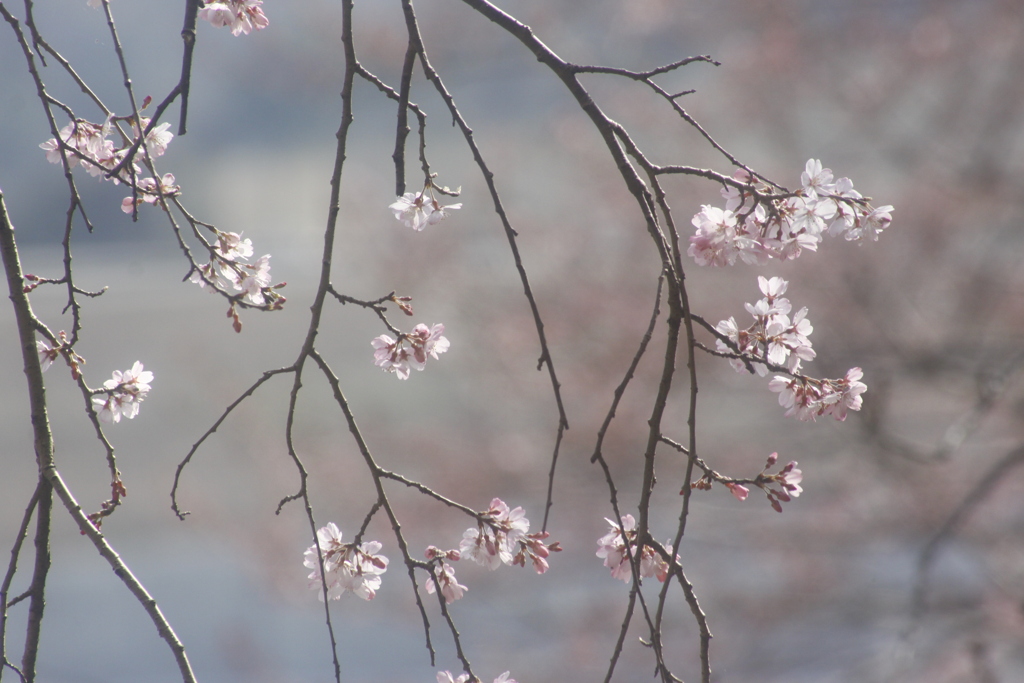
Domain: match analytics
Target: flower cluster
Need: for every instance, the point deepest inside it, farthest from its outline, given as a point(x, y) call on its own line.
point(807, 398)
point(123, 393)
point(229, 271)
point(49, 353)
point(241, 15)
point(451, 589)
point(347, 567)
point(614, 548)
point(782, 486)
point(150, 190)
point(776, 341)
point(774, 336)
point(502, 536)
point(446, 677)
point(87, 143)
point(418, 210)
point(410, 350)
point(755, 226)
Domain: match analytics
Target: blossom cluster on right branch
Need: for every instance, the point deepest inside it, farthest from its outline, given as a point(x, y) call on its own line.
point(757, 224)
point(776, 341)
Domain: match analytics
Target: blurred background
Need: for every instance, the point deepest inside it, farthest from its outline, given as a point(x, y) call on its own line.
point(920, 102)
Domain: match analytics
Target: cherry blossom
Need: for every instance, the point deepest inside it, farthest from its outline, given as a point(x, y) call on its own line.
point(715, 241)
point(409, 351)
point(230, 246)
point(157, 139)
point(760, 223)
point(739, 491)
point(446, 677)
point(807, 398)
point(228, 271)
point(496, 537)
point(87, 143)
point(390, 355)
point(347, 568)
point(868, 226)
point(782, 486)
point(417, 210)
point(815, 178)
point(532, 546)
point(90, 142)
point(47, 354)
point(241, 15)
point(124, 392)
point(502, 536)
point(773, 337)
point(150, 191)
point(613, 548)
point(451, 589)
point(254, 279)
point(221, 274)
point(776, 341)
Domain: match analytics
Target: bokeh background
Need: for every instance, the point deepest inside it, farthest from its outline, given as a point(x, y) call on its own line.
point(920, 102)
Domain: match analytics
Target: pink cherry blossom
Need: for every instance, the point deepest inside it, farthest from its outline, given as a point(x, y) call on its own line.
point(502, 537)
point(242, 16)
point(254, 278)
point(90, 142)
point(775, 224)
point(228, 271)
point(782, 486)
point(492, 542)
point(613, 548)
point(807, 398)
point(715, 242)
point(157, 139)
point(150, 191)
point(532, 546)
point(451, 589)
point(773, 338)
point(47, 354)
point(230, 246)
point(790, 477)
point(123, 393)
point(347, 568)
point(816, 179)
point(738, 491)
point(409, 351)
point(417, 210)
point(391, 356)
point(446, 677)
point(217, 272)
point(867, 226)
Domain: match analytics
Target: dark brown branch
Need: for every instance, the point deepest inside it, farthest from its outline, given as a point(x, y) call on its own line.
point(188, 39)
point(44, 457)
point(209, 432)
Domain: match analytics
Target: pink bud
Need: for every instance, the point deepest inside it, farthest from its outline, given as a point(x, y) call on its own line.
point(738, 491)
